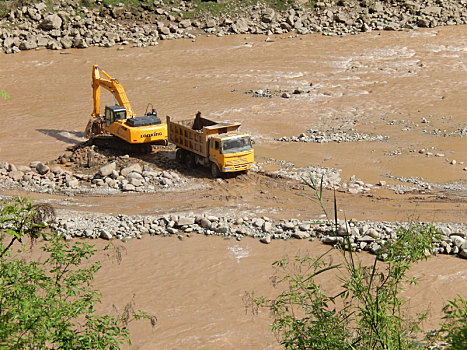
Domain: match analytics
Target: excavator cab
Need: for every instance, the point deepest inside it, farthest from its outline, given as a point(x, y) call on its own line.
point(114, 113)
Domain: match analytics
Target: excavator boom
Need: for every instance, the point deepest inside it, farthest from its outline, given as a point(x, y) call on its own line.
point(101, 79)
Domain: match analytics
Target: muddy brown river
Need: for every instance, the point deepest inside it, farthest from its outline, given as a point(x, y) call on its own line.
point(410, 87)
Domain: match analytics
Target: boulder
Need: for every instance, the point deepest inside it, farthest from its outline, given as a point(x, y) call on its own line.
point(267, 226)
point(186, 23)
point(268, 15)
point(205, 223)
point(463, 250)
point(42, 168)
point(9, 42)
point(300, 234)
point(107, 169)
point(240, 26)
point(136, 167)
point(66, 42)
point(16, 175)
point(128, 188)
point(184, 221)
point(105, 235)
point(23, 168)
point(80, 43)
point(51, 22)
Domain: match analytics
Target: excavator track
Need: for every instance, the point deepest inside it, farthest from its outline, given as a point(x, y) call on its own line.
point(116, 144)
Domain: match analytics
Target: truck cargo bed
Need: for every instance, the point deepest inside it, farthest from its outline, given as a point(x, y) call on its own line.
point(193, 134)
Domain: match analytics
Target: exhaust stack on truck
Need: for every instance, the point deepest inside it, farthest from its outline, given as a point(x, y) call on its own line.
point(218, 145)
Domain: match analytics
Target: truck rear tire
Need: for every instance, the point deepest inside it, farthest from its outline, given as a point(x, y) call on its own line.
point(180, 156)
point(190, 161)
point(215, 172)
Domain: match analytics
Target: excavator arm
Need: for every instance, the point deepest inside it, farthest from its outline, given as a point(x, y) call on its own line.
point(101, 79)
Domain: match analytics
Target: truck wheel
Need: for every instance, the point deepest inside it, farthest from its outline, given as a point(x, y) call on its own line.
point(180, 156)
point(215, 173)
point(190, 161)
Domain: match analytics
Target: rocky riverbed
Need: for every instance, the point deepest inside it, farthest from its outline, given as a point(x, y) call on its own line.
point(367, 236)
point(92, 173)
point(66, 24)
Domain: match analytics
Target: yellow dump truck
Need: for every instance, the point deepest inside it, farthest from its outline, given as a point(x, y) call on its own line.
point(218, 145)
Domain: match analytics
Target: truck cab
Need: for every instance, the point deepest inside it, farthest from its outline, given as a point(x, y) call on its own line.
point(231, 152)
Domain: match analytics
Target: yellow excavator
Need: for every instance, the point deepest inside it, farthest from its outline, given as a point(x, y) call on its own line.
point(133, 134)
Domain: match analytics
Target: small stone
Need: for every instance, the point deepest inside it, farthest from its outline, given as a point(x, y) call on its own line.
point(266, 239)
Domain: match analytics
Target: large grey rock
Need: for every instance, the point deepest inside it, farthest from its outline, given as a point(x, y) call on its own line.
point(80, 43)
point(373, 233)
point(107, 169)
point(16, 175)
point(9, 42)
point(186, 23)
point(258, 222)
point(51, 22)
point(12, 167)
point(205, 223)
point(136, 182)
point(240, 26)
point(42, 168)
point(329, 240)
point(457, 240)
point(222, 229)
point(134, 175)
point(40, 6)
point(34, 14)
point(128, 187)
point(300, 235)
point(66, 42)
point(72, 183)
point(463, 250)
point(23, 168)
point(267, 226)
point(268, 15)
point(106, 235)
point(185, 220)
point(136, 167)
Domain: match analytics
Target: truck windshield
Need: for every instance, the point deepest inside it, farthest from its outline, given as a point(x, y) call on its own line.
point(237, 144)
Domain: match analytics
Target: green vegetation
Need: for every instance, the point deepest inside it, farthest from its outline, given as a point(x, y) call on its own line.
point(50, 303)
point(4, 94)
point(367, 312)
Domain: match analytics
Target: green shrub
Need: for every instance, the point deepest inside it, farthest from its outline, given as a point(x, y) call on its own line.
point(367, 312)
point(50, 303)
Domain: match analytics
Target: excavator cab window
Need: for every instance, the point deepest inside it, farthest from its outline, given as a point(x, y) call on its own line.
point(114, 113)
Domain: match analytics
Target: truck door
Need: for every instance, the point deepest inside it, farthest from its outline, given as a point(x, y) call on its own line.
point(215, 151)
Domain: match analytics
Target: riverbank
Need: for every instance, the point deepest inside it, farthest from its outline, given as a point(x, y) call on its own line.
point(68, 24)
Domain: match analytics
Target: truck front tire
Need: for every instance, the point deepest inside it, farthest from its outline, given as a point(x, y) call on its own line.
point(215, 172)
